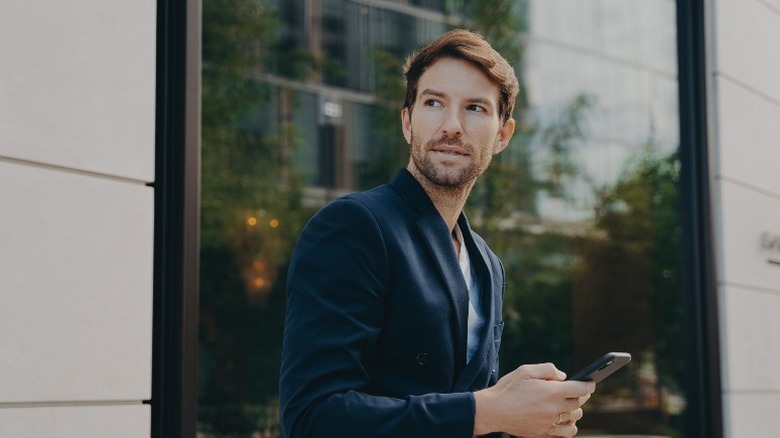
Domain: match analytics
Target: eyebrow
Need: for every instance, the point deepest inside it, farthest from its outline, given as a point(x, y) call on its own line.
point(480, 100)
point(432, 92)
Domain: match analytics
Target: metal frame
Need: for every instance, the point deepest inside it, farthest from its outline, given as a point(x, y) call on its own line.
point(705, 411)
point(177, 212)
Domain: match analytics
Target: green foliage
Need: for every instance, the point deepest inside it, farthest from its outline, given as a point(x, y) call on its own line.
point(537, 305)
point(251, 214)
point(389, 151)
point(236, 34)
point(627, 292)
point(501, 24)
point(559, 138)
point(296, 64)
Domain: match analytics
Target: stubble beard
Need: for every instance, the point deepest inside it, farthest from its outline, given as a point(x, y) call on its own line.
point(448, 178)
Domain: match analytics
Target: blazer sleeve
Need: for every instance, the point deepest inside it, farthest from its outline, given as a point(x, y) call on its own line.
point(335, 310)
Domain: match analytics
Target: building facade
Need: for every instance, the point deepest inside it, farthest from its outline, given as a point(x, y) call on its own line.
point(157, 160)
point(77, 98)
point(743, 114)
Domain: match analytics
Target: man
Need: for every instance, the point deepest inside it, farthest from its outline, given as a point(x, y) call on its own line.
point(394, 304)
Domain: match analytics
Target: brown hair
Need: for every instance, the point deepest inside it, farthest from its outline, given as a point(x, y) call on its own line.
point(468, 46)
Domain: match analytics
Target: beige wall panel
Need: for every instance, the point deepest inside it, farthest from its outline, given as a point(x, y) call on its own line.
point(76, 422)
point(747, 233)
point(77, 84)
point(749, 132)
point(747, 34)
point(750, 347)
point(76, 281)
point(749, 415)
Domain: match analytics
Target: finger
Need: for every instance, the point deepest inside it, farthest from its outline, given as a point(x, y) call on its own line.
point(574, 389)
point(574, 403)
point(563, 430)
point(543, 371)
point(575, 415)
point(570, 417)
point(578, 402)
point(567, 405)
point(584, 399)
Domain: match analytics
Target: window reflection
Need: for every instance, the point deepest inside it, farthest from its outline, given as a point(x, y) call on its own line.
point(301, 104)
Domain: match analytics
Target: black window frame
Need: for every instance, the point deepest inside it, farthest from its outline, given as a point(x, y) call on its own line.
point(177, 210)
point(177, 220)
point(703, 373)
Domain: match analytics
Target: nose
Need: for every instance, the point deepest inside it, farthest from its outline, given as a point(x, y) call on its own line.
point(451, 125)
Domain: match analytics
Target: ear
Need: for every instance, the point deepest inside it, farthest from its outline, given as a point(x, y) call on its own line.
point(504, 135)
point(406, 124)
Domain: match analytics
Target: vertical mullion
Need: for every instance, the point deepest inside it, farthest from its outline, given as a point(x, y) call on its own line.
point(177, 211)
point(704, 414)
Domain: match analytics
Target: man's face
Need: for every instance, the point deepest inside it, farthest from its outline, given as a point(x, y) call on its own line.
point(454, 129)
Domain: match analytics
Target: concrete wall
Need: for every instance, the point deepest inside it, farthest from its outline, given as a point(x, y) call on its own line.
point(744, 37)
point(77, 101)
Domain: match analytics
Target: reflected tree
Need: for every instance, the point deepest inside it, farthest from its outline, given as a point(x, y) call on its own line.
point(627, 290)
point(390, 151)
point(251, 215)
point(537, 253)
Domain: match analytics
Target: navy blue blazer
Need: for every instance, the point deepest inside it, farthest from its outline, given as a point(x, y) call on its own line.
point(376, 324)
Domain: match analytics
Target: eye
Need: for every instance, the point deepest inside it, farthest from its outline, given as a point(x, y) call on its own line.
point(432, 102)
point(477, 108)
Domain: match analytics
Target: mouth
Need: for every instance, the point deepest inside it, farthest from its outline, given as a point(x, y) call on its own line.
point(450, 153)
point(451, 150)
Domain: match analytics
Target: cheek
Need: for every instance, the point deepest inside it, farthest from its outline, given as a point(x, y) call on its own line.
point(483, 129)
point(486, 141)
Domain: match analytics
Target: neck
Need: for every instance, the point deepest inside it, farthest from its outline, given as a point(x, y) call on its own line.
point(449, 201)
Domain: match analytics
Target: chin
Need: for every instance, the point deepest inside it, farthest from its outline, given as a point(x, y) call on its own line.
point(451, 179)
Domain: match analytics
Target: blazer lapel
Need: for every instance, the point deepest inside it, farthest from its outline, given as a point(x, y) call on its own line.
point(481, 268)
point(437, 239)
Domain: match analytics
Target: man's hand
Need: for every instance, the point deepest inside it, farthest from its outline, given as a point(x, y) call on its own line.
point(532, 400)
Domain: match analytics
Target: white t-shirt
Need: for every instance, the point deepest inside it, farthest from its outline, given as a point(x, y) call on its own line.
point(476, 316)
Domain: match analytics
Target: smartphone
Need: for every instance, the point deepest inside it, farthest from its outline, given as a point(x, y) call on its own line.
point(603, 367)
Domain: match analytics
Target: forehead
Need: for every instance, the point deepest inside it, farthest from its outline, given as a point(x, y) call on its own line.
point(458, 78)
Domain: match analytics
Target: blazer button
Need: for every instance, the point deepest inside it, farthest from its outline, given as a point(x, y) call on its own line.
point(422, 358)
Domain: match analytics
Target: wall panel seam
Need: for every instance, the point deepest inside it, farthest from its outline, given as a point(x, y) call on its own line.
point(764, 392)
point(772, 7)
point(69, 404)
point(64, 169)
point(751, 288)
point(720, 74)
point(747, 186)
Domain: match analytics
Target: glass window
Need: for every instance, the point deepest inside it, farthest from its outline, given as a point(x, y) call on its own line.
point(301, 104)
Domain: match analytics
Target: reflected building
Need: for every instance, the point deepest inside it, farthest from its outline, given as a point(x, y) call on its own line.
point(596, 145)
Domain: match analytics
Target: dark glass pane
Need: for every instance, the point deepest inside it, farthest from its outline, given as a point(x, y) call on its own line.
point(301, 103)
